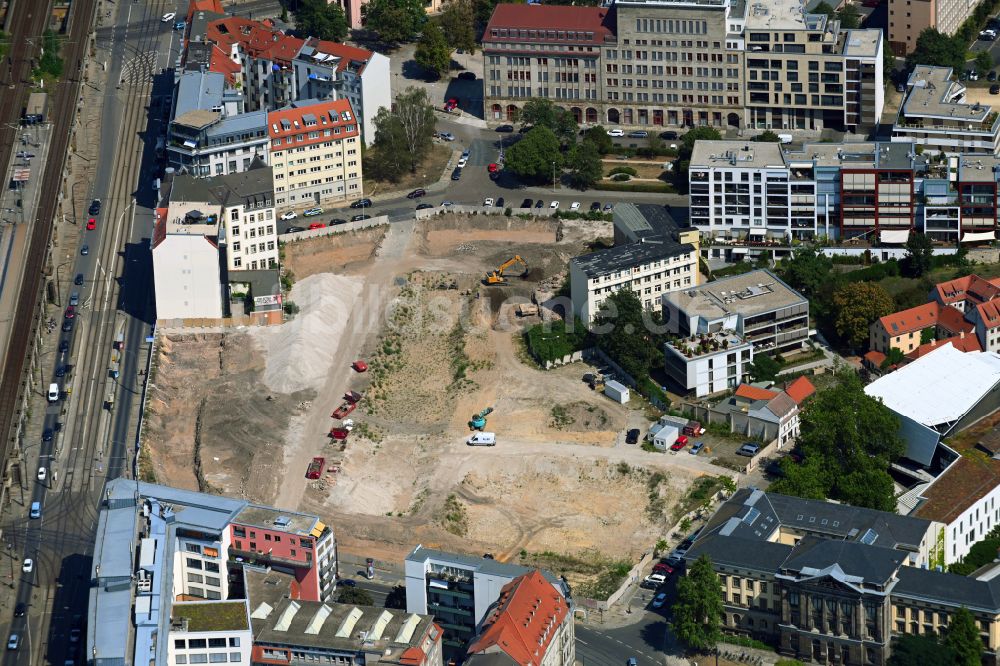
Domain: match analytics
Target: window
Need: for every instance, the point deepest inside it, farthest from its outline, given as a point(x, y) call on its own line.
point(212, 580)
point(195, 578)
point(234, 641)
point(194, 563)
point(216, 642)
point(180, 644)
point(198, 658)
point(234, 657)
point(181, 658)
point(196, 643)
point(193, 547)
point(217, 658)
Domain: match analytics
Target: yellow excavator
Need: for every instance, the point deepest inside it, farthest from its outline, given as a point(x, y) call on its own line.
point(497, 276)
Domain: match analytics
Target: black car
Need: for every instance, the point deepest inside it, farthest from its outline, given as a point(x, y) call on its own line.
point(61, 371)
point(505, 128)
point(995, 89)
point(595, 206)
point(992, 76)
point(467, 76)
point(632, 437)
point(500, 202)
point(336, 220)
point(78, 280)
point(67, 325)
point(648, 585)
point(417, 193)
point(526, 203)
point(668, 136)
point(361, 203)
point(294, 230)
point(457, 173)
point(539, 204)
point(95, 207)
point(347, 582)
point(20, 610)
point(47, 435)
point(358, 218)
point(424, 206)
point(63, 346)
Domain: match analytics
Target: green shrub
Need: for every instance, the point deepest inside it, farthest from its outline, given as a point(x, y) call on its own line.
point(662, 188)
point(623, 169)
point(549, 342)
point(621, 177)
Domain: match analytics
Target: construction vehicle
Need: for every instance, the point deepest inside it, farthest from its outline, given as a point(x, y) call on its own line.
point(478, 421)
point(595, 380)
point(344, 409)
point(497, 276)
point(527, 310)
point(315, 469)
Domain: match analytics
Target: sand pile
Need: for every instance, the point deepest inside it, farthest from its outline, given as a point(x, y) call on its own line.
point(300, 352)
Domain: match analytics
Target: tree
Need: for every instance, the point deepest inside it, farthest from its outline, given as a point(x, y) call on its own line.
point(984, 62)
point(919, 650)
point(50, 64)
point(919, 257)
point(698, 610)
point(764, 368)
point(807, 270)
point(599, 137)
point(402, 136)
point(396, 597)
point(416, 115)
point(824, 8)
point(894, 357)
point(587, 166)
point(767, 137)
point(433, 52)
point(935, 48)
point(458, 25)
point(536, 156)
point(395, 21)
point(356, 596)
point(963, 639)
point(687, 146)
point(850, 17)
point(543, 113)
point(623, 330)
point(316, 18)
point(856, 305)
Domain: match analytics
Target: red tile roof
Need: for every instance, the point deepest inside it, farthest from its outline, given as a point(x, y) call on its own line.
point(952, 291)
point(159, 226)
point(205, 6)
point(964, 343)
point(219, 62)
point(969, 287)
point(800, 389)
point(875, 358)
point(753, 393)
point(524, 621)
point(953, 320)
point(589, 25)
point(989, 312)
point(914, 319)
point(340, 108)
point(347, 54)
point(257, 39)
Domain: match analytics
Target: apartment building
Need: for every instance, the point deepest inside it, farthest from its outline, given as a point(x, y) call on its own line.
point(168, 572)
point(908, 329)
point(707, 363)
point(652, 256)
point(460, 590)
point(935, 115)
point(763, 414)
point(531, 624)
point(300, 633)
point(315, 154)
point(187, 274)
point(685, 63)
point(908, 18)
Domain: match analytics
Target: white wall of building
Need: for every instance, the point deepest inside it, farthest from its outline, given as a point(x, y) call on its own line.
point(971, 526)
point(237, 647)
point(376, 93)
point(708, 373)
point(186, 277)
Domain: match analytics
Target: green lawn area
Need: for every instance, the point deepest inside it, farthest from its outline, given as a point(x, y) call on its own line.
point(212, 616)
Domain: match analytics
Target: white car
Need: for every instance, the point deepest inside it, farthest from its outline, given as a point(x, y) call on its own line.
point(41, 473)
point(28, 566)
point(462, 162)
point(575, 205)
point(447, 136)
point(554, 205)
point(488, 201)
point(290, 215)
point(168, 17)
point(616, 132)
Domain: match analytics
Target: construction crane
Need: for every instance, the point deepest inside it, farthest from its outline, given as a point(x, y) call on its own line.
point(478, 421)
point(497, 276)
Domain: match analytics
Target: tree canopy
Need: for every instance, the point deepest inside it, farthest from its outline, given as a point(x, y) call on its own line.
point(586, 164)
point(402, 136)
point(919, 257)
point(807, 270)
point(543, 113)
point(599, 137)
point(766, 136)
point(984, 62)
point(433, 52)
point(963, 639)
point(355, 595)
point(935, 48)
point(919, 650)
point(316, 18)
point(850, 17)
point(394, 21)
point(764, 368)
point(698, 609)
point(848, 439)
point(628, 333)
point(856, 306)
point(536, 156)
point(458, 23)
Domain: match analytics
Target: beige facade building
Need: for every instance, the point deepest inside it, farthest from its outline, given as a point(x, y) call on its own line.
point(316, 154)
point(908, 18)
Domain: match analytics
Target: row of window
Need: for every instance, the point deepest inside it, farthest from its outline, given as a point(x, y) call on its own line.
point(202, 658)
point(254, 248)
point(202, 565)
point(252, 231)
point(202, 643)
point(298, 138)
point(253, 265)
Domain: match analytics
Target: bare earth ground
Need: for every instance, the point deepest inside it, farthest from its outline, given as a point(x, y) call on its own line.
point(440, 347)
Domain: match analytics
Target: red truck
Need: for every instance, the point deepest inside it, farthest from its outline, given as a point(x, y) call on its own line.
point(315, 468)
point(339, 433)
point(344, 409)
point(352, 397)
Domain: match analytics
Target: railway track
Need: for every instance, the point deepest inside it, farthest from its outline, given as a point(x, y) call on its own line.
point(27, 22)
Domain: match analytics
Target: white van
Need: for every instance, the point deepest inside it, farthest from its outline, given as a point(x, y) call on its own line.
point(482, 439)
point(785, 138)
point(53, 392)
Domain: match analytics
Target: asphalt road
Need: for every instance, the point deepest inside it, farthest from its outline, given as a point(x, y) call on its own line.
point(93, 444)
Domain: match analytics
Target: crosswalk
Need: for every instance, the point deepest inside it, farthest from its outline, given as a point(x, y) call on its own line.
point(139, 69)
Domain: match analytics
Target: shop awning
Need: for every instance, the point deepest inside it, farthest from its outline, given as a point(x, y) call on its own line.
point(894, 235)
point(758, 232)
point(979, 236)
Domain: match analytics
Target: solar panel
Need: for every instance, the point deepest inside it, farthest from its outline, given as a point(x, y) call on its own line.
point(751, 516)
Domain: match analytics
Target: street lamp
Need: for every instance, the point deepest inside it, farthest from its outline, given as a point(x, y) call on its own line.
point(553, 177)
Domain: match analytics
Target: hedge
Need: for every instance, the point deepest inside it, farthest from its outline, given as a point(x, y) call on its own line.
point(551, 342)
point(661, 188)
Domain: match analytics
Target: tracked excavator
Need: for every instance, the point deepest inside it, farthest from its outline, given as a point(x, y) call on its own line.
point(497, 277)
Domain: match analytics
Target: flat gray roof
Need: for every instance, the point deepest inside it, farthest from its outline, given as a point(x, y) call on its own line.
point(978, 168)
point(737, 154)
point(861, 43)
point(931, 93)
point(199, 90)
point(268, 517)
point(645, 220)
point(482, 565)
point(625, 256)
point(748, 294)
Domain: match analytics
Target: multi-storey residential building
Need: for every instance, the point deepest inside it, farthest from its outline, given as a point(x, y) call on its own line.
point(908, 18)
point(459, 590)
point(758, 306)
point(935, 115)
point(531, 624)
point(157, 549)
point(685, 63)
point(186, 267)
point(765, 415)
point(652, 255)
point(908, 329)
point(710, 362)
point(243, 205)
point(301, 633)
point(315, 154)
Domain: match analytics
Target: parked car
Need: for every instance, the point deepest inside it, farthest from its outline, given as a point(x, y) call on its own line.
point(47, 435)
point(575, 205)
point(539, 204)
point(41, 473)
point(20, 609)
point(668, 136)
point(749, 450)
point(13, 642)
point(659, 600)
point(595, 206)
point(554, 205)
point(310, 212)
point(632, 436)
point(631, 661)
point(696, 449)
point(994, 89)
point(992, 76)
point(616, 132)
point(424, 206)
point(337, 220)
point(63, 346)
point(78, 280)
point(500, 202)
point(316, 225)
point(608, 206)
point(488, 201)
point(526, 203)
point(362, 203)
point(679, 444)
point(505, 128)
point(663, 569)
point(85, 250)
point(901, 88)
point(638, 134)
point(648, 585)
point(95, 207)
point(447, 136)
point(70, 312)
point(462, 161)
point(91, 224)
point(417, 193)
point(451, 104)
point(659, 579)
point(168, 17)
point(294, 230)
point(467, 76)
point(358, 218)
point(290, 215)
point(180, 25)
point(456, 174)
point(360, 366)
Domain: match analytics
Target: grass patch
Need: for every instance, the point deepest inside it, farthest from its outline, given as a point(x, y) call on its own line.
point(427, 173)
point(454, 519)
point(560, 417)
point(552, 341)
point(212, 616)
point(609, 580)
point(700, 494)
point(662, 188)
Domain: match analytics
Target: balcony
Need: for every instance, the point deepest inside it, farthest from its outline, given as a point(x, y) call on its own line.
point(705, 344)
point(266, 558)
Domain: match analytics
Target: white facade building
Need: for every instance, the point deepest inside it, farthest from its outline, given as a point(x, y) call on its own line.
point(209, 632)
point(722, 366)
point(186, 270)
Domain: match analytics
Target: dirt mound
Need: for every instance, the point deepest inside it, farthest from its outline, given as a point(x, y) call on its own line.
point(300, 352)
point(332, 253)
